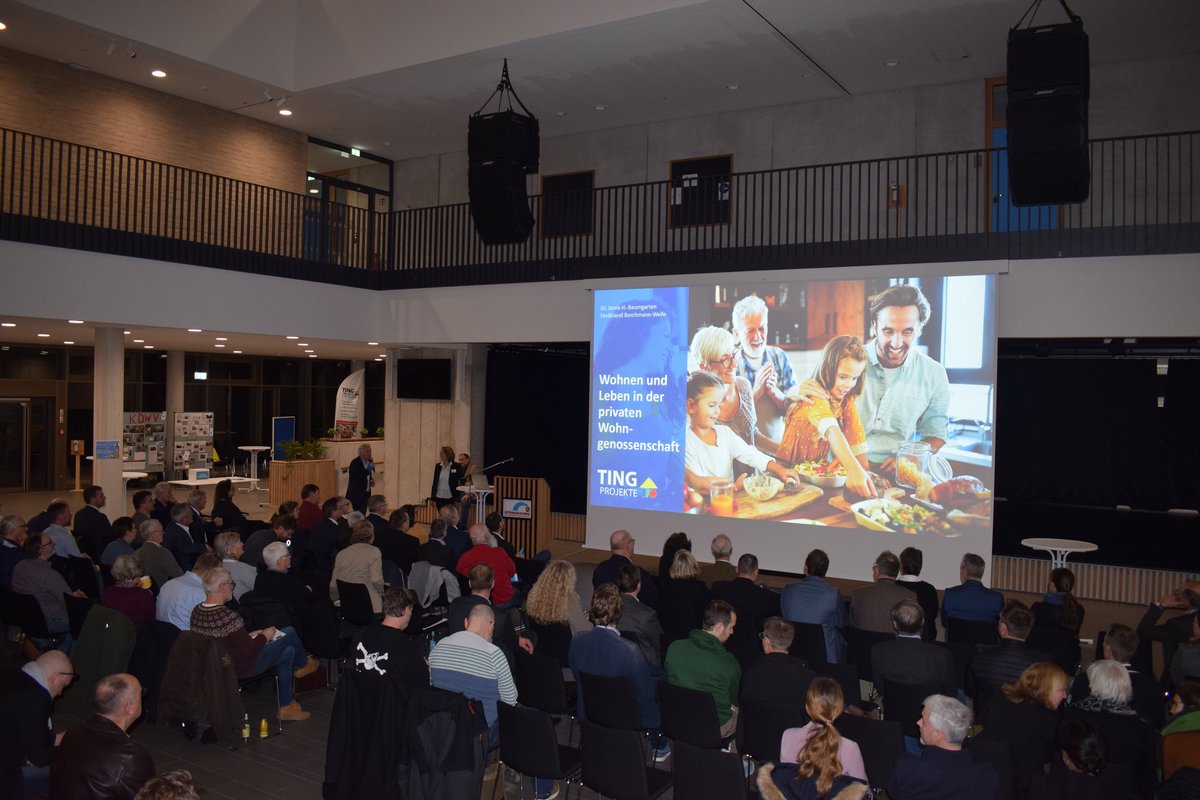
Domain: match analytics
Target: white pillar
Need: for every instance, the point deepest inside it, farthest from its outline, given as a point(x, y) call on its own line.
point(108, 400)
point(391, 433)
point(174, 404)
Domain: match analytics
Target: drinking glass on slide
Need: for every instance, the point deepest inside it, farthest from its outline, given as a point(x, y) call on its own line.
point(720, 495)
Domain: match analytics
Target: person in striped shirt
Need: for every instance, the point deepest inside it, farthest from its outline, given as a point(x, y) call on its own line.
point(469, 663)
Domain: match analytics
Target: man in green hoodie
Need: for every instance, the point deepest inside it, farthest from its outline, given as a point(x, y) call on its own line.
point(701, 662)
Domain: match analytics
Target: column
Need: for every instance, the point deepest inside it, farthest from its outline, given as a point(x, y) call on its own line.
point(390, 456)
point(108, 400)
point(174, 403)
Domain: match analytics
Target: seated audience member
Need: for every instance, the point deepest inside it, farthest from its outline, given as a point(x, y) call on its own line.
point(682, 596)
point(814, 601)
point(911, 561)
point(34, 575)
point(91, 526)
point(1176, 630)
point(229, 549)
point(158, 562)
point(971, 600)
point(179, 596)
point(41, 520)
point(1026, 715)
point(553, 600)
point(481, 580)
point(776, 678)
point(386, 647)
point(177, 784)
point(253, 652)
point(127, 594)
point(309, 512)
point(994, 666)
point(701, 662)
point(637, 618)
point(1079, 762)
point(871, 605)
point(279, 584)
point(821, 756)
point(1130, 738)
point(226, 514)
point(361, 562)
point(1185, 708)
point(603, 651)
point(457, 539)
point(1058, 605)
point(485, 551)
point(202, 530)
point(323, 536)
point(722, 568)
point(27, 737)
point(394, 541)
point(164, 501)
point(674, 543)
point(177, 537)
point(436, 551)
point(1186, 661)
point(98, 760)
point(1120, 643)
point(122, 543)
point(943, 769)
point(621, 544)
point(64, 543)
point(753, 604)
point(910, 659)
point(143, 506)
point(282, 528)
point(495, 526)
point(13, 533)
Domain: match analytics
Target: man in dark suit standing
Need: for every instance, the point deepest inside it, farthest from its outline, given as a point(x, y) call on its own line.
point(621, 544)
point(362, 478)
point(908, 659)
point(91, 526)
point(753, 604)
point(994, 666)
point(776, 678)
point(436, 551)
point(971, 600)
point(911, 561)
point(943, 769)
point(638, 618)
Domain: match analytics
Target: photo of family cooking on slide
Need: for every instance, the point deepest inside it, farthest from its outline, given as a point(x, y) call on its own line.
point(852, 403)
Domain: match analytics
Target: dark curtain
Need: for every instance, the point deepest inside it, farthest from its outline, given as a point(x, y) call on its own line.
point(1180, 433)
point(537, 414)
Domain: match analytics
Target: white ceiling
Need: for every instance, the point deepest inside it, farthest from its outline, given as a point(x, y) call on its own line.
point(399, 79)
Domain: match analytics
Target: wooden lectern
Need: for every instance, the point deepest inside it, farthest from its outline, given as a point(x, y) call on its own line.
point(527, 523)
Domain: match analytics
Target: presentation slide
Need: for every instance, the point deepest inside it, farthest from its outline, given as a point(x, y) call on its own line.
point(852, 415)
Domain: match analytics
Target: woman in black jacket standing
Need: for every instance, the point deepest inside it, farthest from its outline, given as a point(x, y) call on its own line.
point(447, 475)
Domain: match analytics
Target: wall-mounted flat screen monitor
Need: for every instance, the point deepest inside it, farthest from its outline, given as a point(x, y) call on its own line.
point(424, 378)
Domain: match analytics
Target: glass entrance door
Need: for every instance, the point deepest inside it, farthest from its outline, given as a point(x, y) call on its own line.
point(14, 444)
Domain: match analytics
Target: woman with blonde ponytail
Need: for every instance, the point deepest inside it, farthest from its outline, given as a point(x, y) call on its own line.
point(827, 766)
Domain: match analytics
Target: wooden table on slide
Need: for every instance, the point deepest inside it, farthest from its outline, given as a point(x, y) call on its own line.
point(1059, 549)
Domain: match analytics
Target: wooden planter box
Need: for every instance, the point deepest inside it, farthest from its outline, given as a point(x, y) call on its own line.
point(288, 477)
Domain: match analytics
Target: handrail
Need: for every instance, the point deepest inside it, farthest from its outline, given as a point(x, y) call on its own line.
point(1145, 198)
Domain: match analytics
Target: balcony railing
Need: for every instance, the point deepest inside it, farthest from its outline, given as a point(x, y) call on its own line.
point(1145, 198)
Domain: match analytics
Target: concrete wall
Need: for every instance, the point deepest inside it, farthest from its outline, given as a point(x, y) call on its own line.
point(1142, 97)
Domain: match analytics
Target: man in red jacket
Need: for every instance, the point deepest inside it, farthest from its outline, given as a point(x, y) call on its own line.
point(484, 551)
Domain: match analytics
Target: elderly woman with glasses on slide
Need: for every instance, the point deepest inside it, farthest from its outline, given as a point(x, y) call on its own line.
point(714, 350)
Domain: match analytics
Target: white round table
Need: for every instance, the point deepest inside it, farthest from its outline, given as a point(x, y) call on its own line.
point(253, 450)
point(1059, 549)
point(481, 495)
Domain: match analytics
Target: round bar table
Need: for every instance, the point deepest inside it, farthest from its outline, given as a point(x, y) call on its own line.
point(253, 450)
point(1059, 549)
point(481, 495)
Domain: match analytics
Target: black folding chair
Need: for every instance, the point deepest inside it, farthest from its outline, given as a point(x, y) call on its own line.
point(77, 611)
point(610, 701)
point(809, 643)
point(702, 774)
point(999, 756)
point(762, 729)
point(529, 745)
point(880, 742)
point(847, 678)
point(22, 611)
point(972, 632)
point(689, 715)
point(83, 576)
point(613, 766)
point(858, 649)
point(540, 684)
point(356, 603)
point(553, 640)
point(904, 703)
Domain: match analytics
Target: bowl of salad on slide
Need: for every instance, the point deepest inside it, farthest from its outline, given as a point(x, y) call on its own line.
point(829, 474)
point(889, 515)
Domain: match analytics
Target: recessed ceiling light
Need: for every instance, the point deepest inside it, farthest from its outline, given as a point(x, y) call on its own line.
point(373, 344)
point(308, 351)
point(43, 335)
point(126, 332)
point(158, 73)
point(312, 356)
point(3, 27)
point(383, 355)
point(190, 330)
point(600, 107)
point(891, 62)
point(239, 352)
point(218, 345)
point(285, 112)
point(68, 343)
point(293, 337)
point(138, 341)
point(8, 324)
point(733, 87)
point(379, 359)
point(314, 191)
point(147, 347)
point(75, 321)
point(222, 338)
point(301, 344)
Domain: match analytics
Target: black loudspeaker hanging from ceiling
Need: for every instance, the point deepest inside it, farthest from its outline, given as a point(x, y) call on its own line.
point(1049, 86)
point(502, 148)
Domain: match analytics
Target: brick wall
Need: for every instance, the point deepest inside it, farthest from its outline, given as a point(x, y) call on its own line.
point(50, 99)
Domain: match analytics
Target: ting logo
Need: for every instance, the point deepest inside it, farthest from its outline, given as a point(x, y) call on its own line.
point(625, 483)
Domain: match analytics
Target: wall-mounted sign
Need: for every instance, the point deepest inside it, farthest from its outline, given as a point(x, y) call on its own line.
point(107, 448)
point(517, 508)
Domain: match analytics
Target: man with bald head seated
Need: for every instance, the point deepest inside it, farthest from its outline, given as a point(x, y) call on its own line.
point(484, 550)
point(621, 543)
point(98, 760)
point(27, 737)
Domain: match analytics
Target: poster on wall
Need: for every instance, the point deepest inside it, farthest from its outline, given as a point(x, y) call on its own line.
point(348, 408)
